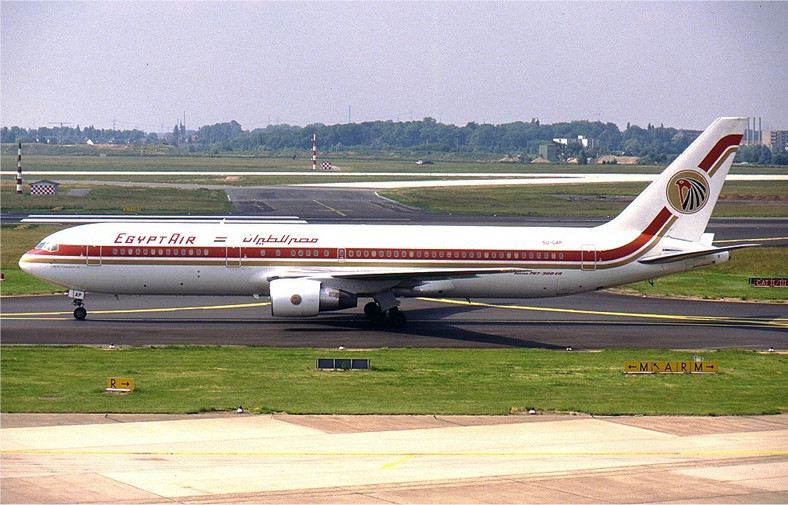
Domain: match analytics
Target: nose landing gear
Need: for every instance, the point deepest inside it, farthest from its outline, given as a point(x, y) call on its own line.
point(80, 313)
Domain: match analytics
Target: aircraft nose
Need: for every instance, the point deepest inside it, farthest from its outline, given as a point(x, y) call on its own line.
point(25, 262)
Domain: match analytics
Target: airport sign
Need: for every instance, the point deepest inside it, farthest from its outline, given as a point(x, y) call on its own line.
point(120, 384)
point(643, 367)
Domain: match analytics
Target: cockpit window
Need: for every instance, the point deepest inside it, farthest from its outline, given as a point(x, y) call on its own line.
point(48, 246)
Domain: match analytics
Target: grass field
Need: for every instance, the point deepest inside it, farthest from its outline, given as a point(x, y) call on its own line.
point(400, 381)
point(116, 199)
point(347, 162)
point(738, 199)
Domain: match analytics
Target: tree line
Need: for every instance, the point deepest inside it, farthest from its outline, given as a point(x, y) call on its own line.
point(427, 137)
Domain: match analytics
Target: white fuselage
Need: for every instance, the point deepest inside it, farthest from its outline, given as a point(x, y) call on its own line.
point(242, 259)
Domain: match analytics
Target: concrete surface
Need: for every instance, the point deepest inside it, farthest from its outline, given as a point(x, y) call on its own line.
point(241, 458)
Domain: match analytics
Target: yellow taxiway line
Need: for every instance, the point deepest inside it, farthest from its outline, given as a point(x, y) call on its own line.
point(779, 322)
point(30, 315)
point(663, 318)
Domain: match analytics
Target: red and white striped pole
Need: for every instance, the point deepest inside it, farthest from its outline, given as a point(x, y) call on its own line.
point(19, 169)
point(314, 151)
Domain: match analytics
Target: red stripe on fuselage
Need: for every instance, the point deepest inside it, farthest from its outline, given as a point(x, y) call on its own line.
point(641, 240)
point(717, 151)
point(442, 255)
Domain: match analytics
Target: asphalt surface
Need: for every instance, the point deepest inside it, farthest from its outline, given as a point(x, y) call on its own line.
point(588, 321)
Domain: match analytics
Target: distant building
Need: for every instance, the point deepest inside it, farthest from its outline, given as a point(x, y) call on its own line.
point(687, 135)
point(778, 140)
point(609, 159)
point(549, 152)
point(43, 187)
point(585, 142)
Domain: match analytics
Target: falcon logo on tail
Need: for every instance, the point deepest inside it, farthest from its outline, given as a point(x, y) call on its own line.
point(688, 191)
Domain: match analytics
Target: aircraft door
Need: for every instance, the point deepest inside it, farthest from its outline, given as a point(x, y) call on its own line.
point(588, 257)
point(93, 255)
point(341, 254)
point(232, 257)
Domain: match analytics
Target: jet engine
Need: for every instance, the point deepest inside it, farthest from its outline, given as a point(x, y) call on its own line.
point(307, 297)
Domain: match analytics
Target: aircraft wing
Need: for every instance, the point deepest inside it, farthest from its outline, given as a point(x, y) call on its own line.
point(395, 274)
point(431, 275)
point(678, 256)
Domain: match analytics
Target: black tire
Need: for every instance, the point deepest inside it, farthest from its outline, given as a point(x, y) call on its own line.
point(372, 311)
point(80, 313)
point(396, 318)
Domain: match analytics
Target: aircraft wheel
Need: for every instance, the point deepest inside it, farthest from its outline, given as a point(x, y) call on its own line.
point(80, 313)
point(396, 318)
point(372, 311)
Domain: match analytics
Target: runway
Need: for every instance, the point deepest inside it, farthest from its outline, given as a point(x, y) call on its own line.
point(584, 322)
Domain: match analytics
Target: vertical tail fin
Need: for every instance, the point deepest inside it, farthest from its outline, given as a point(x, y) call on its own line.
point(688, 188)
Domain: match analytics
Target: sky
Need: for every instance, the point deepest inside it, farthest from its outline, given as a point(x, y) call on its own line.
point(145, 64)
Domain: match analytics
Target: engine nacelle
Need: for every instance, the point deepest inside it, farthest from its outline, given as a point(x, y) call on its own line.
point(307, 297)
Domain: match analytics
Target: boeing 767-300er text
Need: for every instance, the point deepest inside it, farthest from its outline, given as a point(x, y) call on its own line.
point(311, 268)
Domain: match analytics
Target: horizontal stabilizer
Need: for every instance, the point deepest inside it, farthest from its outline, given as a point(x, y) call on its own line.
point(670, 258)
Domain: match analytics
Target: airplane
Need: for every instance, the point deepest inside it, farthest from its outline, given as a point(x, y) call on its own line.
point(307, 269)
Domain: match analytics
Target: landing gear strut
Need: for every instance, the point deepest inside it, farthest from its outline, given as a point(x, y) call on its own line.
point(80, 313)
point(392, 317)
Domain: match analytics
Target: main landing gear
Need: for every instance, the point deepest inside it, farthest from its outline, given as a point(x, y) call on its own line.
point(80, 313)
point(392, 317)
